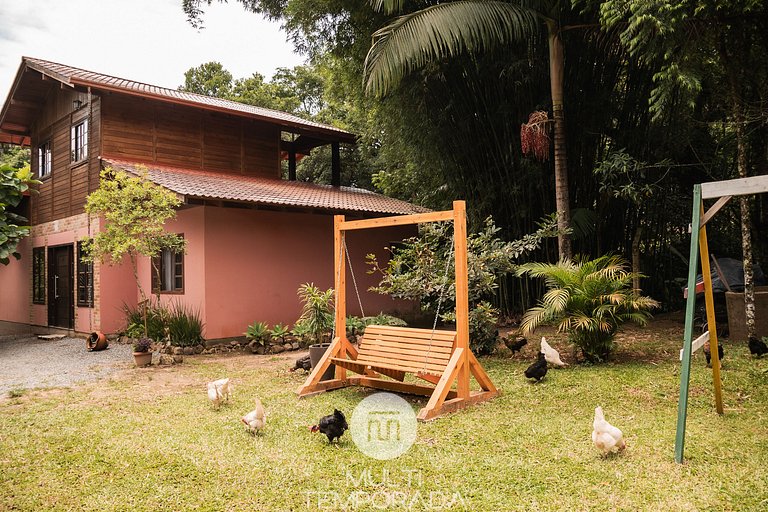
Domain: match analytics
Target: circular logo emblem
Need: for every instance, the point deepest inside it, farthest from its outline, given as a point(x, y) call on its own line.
point(383, 426)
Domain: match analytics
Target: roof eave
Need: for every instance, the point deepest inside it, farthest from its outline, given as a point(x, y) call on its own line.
point(339, 135)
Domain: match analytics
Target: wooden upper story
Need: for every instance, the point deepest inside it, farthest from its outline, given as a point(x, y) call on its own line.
point(72, 118)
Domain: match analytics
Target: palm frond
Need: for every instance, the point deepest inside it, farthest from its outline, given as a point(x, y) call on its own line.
point(443, 30)
point(387, 6)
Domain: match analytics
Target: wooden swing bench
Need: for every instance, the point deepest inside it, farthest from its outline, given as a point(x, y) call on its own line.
point(395, 351)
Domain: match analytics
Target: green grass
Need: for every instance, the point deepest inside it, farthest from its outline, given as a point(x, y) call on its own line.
point(151, 441)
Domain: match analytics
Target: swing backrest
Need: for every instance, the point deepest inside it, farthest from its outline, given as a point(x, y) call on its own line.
point(406, 349)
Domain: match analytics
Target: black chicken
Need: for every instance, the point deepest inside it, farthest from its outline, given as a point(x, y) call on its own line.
point(757, 347)
point(708, 353)
point(538, 369)
point(515, 345)
point(302, 363)
point(332, 425)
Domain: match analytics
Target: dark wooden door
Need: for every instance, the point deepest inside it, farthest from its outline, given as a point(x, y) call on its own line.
point(61, 304)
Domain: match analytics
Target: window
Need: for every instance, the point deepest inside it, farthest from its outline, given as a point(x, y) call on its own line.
point(84, 279)
point(168, 272)
point(80, 141)
point(38, 275)
point(44, 159)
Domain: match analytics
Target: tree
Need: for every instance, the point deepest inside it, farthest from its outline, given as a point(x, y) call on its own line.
point(14, 183)
point(448, 29)
point(210, 79)
point(135, 211)
point(15, 156)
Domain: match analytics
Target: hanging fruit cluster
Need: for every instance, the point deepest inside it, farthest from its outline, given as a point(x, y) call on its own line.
point(533, 136)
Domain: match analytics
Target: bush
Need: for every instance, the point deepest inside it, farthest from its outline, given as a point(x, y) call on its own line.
point(258, 332)
point(184, 325)
point(356, 325)
point(483, 331)
point(302, 333)
point(317, 310)
point(156, 321)
point(589, 300)
point(279, 332)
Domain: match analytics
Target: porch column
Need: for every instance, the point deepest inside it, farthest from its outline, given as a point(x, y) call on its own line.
point(292, 163)
point(335, 165)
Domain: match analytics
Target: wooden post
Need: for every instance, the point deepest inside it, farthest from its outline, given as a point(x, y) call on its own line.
point(711, 321)
point(292, 163)
point(685, 371)
point(340, 291)
point(335, 165)
point(462, 294)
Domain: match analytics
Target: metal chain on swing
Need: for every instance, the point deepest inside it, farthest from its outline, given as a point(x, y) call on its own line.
point(440, 299)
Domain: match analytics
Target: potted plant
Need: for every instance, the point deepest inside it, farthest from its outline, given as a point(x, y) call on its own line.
point(142, 352)
point(317, 317)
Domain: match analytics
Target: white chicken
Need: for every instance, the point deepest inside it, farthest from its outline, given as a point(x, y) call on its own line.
point(218, 391)
point(256, 419)
point(551, 355)
point(605, 436)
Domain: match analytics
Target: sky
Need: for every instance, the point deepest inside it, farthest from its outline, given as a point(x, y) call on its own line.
point(146, 41)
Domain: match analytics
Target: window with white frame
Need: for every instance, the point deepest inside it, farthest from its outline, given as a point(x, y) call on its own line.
point(79, 141)
point(44, 159)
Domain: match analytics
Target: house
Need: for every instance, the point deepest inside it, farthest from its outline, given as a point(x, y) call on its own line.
point(252, 237)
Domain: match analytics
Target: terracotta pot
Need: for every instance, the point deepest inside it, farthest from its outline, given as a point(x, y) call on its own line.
point(96, 341)
point(142, 358)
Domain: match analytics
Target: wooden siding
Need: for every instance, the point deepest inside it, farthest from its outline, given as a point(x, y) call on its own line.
point(150, 131)
point(63, 192)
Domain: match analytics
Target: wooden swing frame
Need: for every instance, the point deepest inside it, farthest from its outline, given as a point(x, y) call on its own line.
point(723, 191)
point(462, 364)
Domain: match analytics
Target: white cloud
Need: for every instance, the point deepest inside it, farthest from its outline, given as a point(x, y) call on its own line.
point(144, 40)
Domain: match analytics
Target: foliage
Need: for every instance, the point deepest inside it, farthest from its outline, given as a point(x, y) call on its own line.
point(142, 345)
point(184, 325)
point(17, 157)
point(135, 211)
point(209, 79)
point(279, 332)
point(14, 183)
point(258, 332)
point(589, 300)
point(302, 332)
point(356, 325)
point(317, 310)
point(483, 330)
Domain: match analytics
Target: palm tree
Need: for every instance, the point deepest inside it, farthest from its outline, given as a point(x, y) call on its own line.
point(446, 30)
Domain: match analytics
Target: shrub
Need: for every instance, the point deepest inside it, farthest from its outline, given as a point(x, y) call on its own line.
point(142, 345)
point(483, 333)
point(317, 310)
point(184, 325)
point(156, 321)
point(279, 332)
point(301, 331)
point(258, 332)
point(589, 300)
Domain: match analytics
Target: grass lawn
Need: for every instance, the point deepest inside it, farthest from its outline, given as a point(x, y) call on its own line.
point(149, 440)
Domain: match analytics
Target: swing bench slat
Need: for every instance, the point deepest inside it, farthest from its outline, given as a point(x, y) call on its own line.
point(394, 351)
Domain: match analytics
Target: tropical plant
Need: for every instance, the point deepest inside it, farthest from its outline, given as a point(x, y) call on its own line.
point(14, 183)
point(589, 300)
point(184, 325)
point(302, 332)
point(446, 30)
point(317, 310)
point(258, 332)
point(279, 332)
point(142, 345)
point(156, 315)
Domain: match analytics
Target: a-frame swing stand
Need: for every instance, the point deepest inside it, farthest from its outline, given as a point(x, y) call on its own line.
point(386, 354)
point(722, 191)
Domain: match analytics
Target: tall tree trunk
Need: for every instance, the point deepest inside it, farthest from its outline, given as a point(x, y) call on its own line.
point(746, 222)
point(636, 259)
point(556, 77)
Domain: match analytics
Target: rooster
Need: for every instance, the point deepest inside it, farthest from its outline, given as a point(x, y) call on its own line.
point(332, 425)
point(256, 419)
point(538, 369)
point(515, 345)
point(605, 436)
point(708, 353)
point(219, 390)
point(757, 347)
point(551, 355)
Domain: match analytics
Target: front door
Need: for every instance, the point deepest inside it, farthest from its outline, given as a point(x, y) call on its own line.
point(61, 305)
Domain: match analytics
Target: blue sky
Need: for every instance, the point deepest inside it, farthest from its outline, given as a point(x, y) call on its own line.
point(144, 40)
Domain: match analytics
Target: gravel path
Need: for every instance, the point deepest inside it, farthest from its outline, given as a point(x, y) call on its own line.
point(29, 362)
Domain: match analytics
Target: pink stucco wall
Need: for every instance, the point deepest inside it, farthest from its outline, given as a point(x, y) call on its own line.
point(117, 286)
point(245, 265)
point(16, 286)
